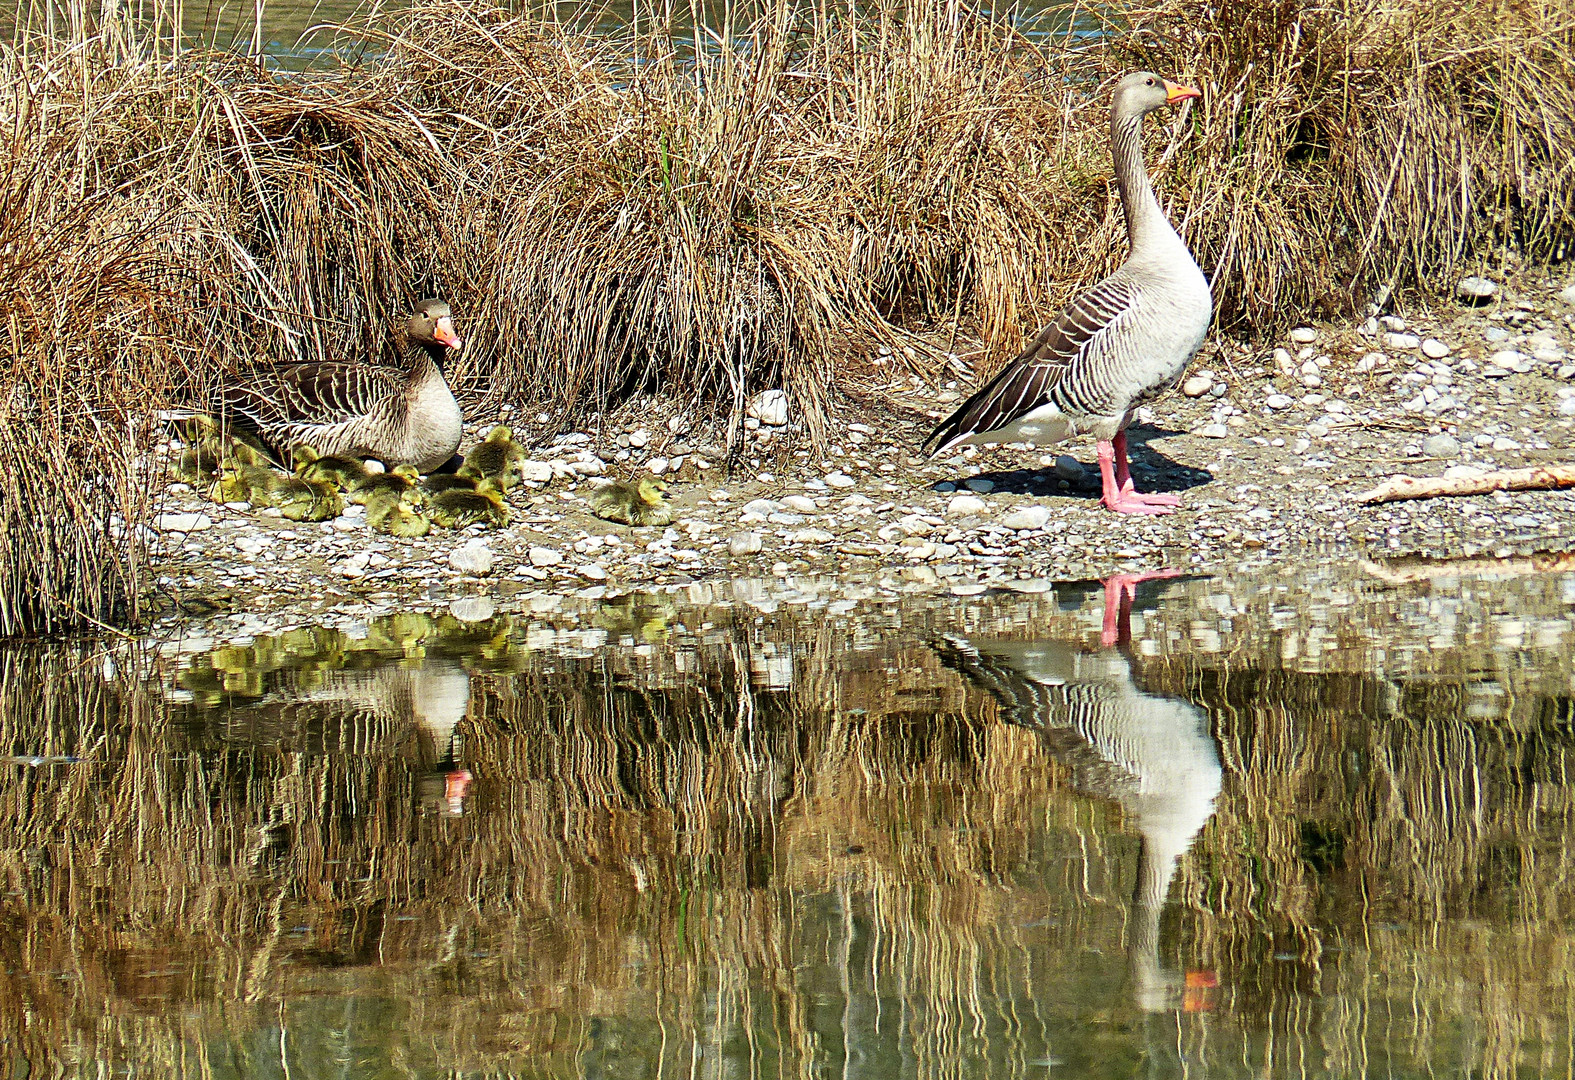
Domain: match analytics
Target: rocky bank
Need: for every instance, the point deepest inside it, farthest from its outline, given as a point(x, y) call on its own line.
point(1267, 444)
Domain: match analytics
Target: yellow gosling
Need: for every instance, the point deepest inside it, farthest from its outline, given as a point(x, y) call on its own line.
point(639, 505)
point(496, 458)
point(459, 507)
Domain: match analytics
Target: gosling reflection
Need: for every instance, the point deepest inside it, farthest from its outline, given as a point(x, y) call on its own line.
point(1154, 755)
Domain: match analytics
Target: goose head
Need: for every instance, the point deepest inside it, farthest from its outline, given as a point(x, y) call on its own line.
point(1142, 92)
point(432, 327)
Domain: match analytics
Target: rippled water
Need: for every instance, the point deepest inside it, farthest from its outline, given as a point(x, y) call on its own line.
point(1317, 823)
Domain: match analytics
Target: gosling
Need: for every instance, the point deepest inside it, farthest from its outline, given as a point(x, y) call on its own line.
point(346, 473)
point(397, 514)
point(497, 458)
point(400, 479)
point(461, 507)
point(639, 505)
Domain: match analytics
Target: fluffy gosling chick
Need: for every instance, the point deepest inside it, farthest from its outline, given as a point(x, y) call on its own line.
point(461, 507)
point(244, 483)
point(438, 483)
point(306, 500)
point(638, 505)
point(343, 472)
point(496, 458)
point(398, 480)
point(397, 514)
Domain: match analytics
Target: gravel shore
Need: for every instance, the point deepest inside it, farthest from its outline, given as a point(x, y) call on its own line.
point(1267, 444)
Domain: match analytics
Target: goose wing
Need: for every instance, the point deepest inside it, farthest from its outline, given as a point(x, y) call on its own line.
point(1057, 350)
point(312, 393)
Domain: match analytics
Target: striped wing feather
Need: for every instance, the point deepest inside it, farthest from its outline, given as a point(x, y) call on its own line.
point(1053, 355)
point(312, 394)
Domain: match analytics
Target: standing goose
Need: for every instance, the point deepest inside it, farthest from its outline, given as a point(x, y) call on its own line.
point(354, 409)
point(1116, 346)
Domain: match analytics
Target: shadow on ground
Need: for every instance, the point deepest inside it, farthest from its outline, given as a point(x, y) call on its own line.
point(1151, 470)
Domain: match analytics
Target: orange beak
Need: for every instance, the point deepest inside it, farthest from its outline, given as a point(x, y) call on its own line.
point(445, 326)
point(1175, 93)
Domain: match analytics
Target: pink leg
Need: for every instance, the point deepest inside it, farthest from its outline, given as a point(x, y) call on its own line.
point(456, 785)
point(1124, 478)
point(1123, 501)
point(1120, 590)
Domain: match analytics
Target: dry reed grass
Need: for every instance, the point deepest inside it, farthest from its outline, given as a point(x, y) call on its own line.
point(622, 214)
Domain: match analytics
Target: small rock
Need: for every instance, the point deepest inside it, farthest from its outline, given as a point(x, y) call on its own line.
point(657, 465)
point(592, 572)
point(1026, 518)
point(762, 506)
point(1393, 322)
point(1567, 407)
point(1370, 361)
point(1279, 401)
point(964, 505)
point(802, 503)
point(1068, 468)
point(354, 566)
point(770, 407)
point(472, 557)
point(1494, 334)
point(1213, 431)
point(182, 523)
point(1197, 386)
point(1284, 361)
point(1317, 430)
point(1401, 341)
point(1441, 446)
point(744, 543)
point(812, 536)
point(1568, 295)
point(640, 438)
point(536, 471)
point(840, 480)
point(1304, 335)
point(1462, 472)
point(1475, 290)
point(1434, 349)
point(978, 485)
point(1505, 443)
point(544, 556)
point(472, 609)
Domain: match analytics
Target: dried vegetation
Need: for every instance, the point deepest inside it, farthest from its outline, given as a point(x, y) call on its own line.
point(782, 203)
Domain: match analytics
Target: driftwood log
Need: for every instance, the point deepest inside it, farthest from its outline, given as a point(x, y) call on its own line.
point(1538, 478)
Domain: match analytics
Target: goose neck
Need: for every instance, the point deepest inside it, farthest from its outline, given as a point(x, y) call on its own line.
point(1146, 224)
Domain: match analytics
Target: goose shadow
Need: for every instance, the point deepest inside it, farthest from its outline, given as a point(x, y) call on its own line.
point(1151, 470)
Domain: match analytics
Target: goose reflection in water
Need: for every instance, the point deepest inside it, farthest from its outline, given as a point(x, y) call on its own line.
point(429, 694)
point(1154, 755)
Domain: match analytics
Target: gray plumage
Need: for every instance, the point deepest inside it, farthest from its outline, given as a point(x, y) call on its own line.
point(1116, 346)
point(359, 409)
point(1154, 755)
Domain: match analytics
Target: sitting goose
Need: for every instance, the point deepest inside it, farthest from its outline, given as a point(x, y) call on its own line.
point(361, 410)
point(1115, 347)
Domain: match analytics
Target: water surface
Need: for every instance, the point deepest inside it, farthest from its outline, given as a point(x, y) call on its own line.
point(1307, 824)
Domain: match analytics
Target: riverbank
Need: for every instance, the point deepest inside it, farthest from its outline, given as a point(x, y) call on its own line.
point(1267, 447)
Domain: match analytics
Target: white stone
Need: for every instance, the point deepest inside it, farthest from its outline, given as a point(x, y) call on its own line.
point(812, 536)
point(536, 471)
point(840, 480)
point(638, 439)
point(1392, 322)
point(1213, 431)
point(1025, 518)
point(1434, 348)
point(1279, 401)
point(1197, 386)
point(1568, 295)
point(1284, 361)
point(1475, 289)
point(182, 523)
point(802, 503)
point(1550, 355)
point(744, 543)
point(1567, 407)
point(472, 609)
point(1304, 335)
point(1441, 446)
point(762, 506)
point(592, 571)
point(472, 557)
point(657, 465)
point(1507, 358)
point(1505, 443)
point(770, 407)
point(544, 556)
point(964, 505)
point(1462, 472)
point(1370, 361)
point(1401, 341)
point(354, 566)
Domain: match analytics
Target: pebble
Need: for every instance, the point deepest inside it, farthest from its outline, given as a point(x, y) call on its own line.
point(638, 439)
point(744, 543)
point(1475, 290)
point(1279, 401)
point(1567, 407)
point(770, 407)
point(472, 609)
point(762, 506)
point(657, 465)
point(1213, 431)
point(592, 572)
point(1304, 335)
point(965, 505)
point(1068, 468)
point(539, 472)
point(1284, 361)
point(1026, 518)
point(1317, 430)
point(840, 480)
point(472, 557)
point(979, 485)
point(355, 566)
point(1392, 322)
point(182, 523)
point(1507, 360)
point(1197, 386)
point(1401, 341)
point(1441, 446)
point(802, 503)
point(812, 536)
point(1434, 349)
point(544, 556)
point(1568, 295)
